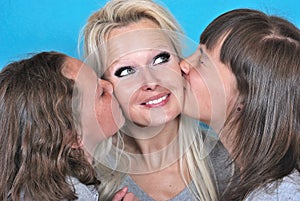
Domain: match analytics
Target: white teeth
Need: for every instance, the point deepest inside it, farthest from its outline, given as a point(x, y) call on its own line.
point(157, 100)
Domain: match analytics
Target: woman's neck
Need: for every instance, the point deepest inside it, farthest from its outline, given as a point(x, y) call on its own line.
point(145, 140)
point(152, 148)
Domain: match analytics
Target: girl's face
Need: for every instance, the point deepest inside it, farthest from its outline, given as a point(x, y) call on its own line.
point(145, 73)
point(101, 116)
point(211, 83)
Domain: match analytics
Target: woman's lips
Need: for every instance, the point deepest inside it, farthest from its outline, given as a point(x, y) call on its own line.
point(157, 101)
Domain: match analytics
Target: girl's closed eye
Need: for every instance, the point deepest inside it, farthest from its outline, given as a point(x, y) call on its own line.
point(202, 55)
point(100, 90)
point(162, 57)
point(124, 71)
point(201, 61)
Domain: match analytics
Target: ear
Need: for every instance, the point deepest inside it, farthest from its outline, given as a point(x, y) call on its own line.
point(78, 144)
point(240, 104)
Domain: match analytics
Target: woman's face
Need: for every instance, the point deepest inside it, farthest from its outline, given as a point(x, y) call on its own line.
point(101, 116)
point(145, 73)
point(212, 84)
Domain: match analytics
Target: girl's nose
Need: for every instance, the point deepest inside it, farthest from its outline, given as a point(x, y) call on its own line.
point(185, 66)
point(106, 85)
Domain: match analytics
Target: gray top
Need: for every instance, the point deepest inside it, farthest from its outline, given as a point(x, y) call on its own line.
point(220, 161)
point(134, 188)
point(287, 189)
point(84, 192)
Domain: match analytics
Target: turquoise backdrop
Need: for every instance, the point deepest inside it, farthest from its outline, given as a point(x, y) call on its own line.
point(28, 26)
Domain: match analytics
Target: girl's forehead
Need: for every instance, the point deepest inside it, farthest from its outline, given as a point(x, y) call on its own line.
point(71, 68)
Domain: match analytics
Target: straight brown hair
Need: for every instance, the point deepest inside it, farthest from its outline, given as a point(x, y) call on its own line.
point(264, 54)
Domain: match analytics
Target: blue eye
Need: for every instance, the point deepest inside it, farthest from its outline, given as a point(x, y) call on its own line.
point(124, 71)
point(161, 58)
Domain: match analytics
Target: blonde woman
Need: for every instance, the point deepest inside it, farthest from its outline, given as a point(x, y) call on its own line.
point(159, 153)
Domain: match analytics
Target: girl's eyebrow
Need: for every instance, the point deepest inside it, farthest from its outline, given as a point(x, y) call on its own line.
point(201, 50)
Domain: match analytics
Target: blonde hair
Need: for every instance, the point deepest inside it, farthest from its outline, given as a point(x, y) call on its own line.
point(119, 13)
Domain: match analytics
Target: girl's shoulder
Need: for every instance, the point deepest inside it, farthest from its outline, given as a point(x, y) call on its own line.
point(219, 157)
point(83, 192)
point(288, 188)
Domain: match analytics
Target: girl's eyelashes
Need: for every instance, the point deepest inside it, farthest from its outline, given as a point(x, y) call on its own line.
point(163, 57)
point(124, 71)
point(205, 60)
point(201, 61)
point(201, 56)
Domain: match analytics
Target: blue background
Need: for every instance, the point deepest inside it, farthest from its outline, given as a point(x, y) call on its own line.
point(28, 26)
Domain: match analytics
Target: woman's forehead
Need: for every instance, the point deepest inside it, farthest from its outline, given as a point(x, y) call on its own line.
point(137, 41)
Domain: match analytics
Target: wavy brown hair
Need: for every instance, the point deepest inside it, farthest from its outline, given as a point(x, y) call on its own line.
point(37, 131)
point(264, 54)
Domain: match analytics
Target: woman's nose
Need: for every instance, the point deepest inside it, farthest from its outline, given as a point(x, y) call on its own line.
point(106, 85)
point(150, 81)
